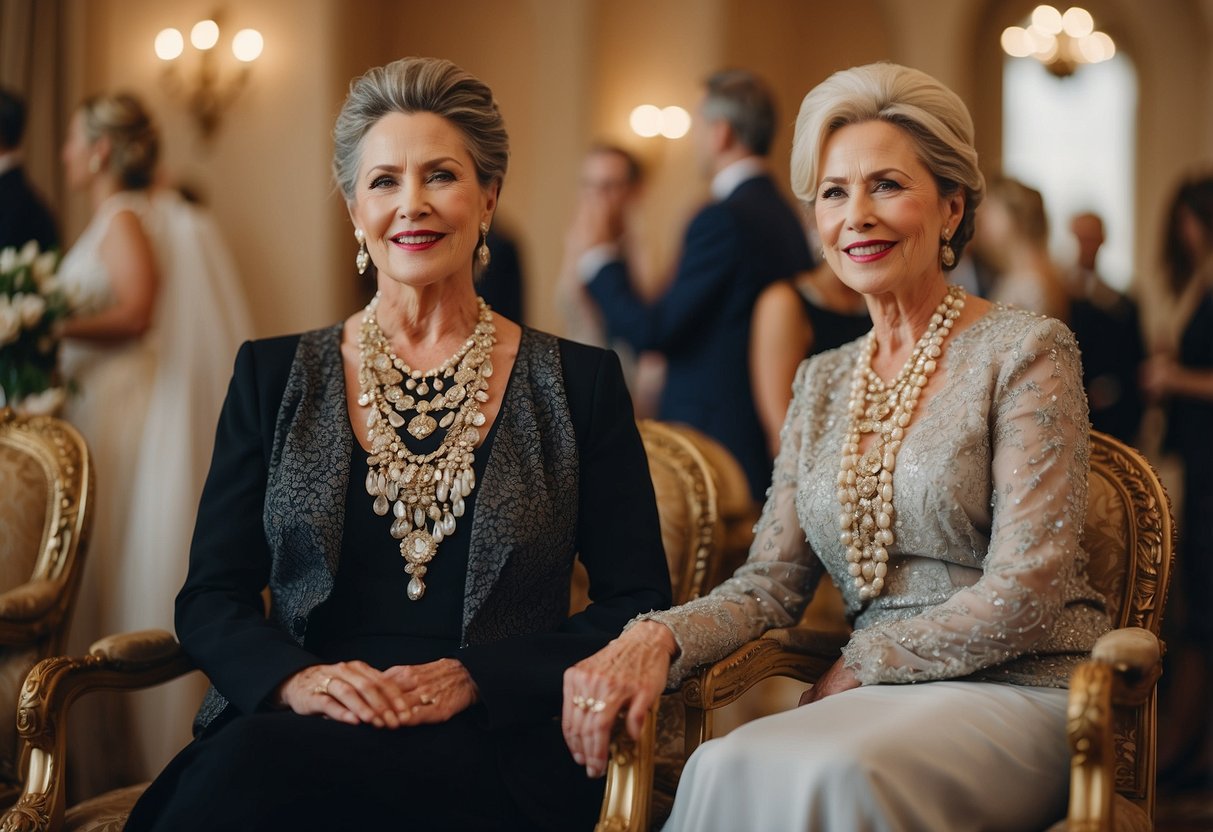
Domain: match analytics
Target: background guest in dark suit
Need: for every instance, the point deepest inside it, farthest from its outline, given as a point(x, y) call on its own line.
point(1106, 324)
point(23, 214)
point(416, 529)
point(733, 249)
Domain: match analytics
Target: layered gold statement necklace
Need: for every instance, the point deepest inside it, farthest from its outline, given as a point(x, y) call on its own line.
point(424, 492)
point(865, 481)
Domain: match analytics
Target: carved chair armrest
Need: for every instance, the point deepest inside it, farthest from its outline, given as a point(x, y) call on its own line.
point(1123, 669)
point(630, 768)
point(129, 661)
point(27, 612)
point(797, 652)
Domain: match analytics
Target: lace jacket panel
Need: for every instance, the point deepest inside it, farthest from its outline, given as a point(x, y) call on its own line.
point(987, 576)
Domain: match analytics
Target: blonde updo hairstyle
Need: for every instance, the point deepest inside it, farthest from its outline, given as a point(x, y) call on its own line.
point(421, 85)
point(133, 138)
point(933, 116)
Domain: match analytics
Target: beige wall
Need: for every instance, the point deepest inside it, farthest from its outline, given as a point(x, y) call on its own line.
point(567, 72)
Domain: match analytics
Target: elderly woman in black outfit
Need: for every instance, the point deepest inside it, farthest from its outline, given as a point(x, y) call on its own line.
point(412, 484)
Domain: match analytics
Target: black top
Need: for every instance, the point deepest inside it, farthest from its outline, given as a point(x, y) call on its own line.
point(832, 329)
point(369, 616)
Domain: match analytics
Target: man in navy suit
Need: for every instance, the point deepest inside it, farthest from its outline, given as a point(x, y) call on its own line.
point(744, 240)
point(23, 215)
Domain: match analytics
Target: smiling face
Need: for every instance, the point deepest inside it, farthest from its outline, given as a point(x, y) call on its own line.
point(418, 200)
point(879, 211)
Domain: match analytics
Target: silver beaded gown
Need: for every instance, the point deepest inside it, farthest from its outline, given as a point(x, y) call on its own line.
point(986, 586)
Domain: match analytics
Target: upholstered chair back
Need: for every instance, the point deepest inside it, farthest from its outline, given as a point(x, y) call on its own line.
point(45, 478)
point(703, 504)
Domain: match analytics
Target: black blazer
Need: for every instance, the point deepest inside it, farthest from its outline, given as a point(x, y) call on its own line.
point(23, 215)
point(518, 638)
point(732, 251)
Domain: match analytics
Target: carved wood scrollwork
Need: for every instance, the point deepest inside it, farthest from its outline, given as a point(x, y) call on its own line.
point(666, 442)
point(1152, 541)
point(30, 814)
point(1151, 546)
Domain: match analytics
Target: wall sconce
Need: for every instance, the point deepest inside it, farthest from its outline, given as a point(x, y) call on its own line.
point(1062, 42)
point(648, 120)
point(205, 94)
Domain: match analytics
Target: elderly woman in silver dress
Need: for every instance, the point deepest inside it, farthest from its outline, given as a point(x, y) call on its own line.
point(936, 470)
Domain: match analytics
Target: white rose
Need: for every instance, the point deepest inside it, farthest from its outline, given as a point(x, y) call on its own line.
point(46, 403)
point(10, 322)
point(31, 308)
point(8, 259)
point(44, 270)
point(29, 252)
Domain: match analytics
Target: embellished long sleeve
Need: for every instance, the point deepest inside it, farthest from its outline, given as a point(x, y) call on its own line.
point(773, 586)
point(1038, 439)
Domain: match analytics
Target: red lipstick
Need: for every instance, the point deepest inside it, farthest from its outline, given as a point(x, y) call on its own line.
point(417, 240)
point(868, 251)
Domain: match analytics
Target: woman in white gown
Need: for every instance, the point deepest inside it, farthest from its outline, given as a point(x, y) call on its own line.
point(936, 470)
point(160, 313)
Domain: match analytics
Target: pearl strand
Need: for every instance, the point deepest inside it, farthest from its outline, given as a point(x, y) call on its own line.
point(865, 481)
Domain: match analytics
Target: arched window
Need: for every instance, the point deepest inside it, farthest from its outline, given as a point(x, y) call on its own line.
point(1073, 140)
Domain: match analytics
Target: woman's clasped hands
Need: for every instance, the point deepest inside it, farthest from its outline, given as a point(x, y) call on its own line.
point(630, 671)
point(356, 693)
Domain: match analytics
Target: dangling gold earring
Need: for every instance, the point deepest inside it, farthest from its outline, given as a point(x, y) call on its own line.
point(947, 255)
point(363, 259)
point(94, 164)
point(482, 251)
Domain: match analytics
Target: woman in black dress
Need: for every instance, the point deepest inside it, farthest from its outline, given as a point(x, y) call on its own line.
point(416, 527)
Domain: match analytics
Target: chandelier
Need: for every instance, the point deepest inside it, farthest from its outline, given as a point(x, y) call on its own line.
point(1062, 42)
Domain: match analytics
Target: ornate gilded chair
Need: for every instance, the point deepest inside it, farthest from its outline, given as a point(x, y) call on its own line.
point(705, 512)
point(1111, 722)
point(45, 511)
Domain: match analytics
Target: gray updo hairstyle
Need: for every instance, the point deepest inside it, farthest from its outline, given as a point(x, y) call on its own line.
point(935, 118)
point(134, 139)
point(421, 85)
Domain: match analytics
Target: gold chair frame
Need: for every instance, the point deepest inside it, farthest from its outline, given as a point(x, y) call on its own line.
point(1112, 706)
point(37, 613)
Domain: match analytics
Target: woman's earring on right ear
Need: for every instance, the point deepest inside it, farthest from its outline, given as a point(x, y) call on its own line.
point(947, 255)
point(94, 164)
point(482, 251)
point(363, 259)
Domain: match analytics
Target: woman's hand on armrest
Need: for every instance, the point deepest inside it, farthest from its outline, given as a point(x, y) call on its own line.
point(630, 671)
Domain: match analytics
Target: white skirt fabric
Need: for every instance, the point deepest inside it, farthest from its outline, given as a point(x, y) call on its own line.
point(950, 756)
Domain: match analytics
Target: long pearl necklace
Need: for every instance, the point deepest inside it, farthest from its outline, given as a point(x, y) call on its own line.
point(865, 482)
point(425, 492)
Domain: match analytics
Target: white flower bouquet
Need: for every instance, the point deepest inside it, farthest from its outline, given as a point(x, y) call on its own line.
point(31, 305)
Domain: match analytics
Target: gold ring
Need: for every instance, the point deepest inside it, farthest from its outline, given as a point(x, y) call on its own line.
point(322, 689)
point(426, 699)
point(579, 702)
point(595, 705)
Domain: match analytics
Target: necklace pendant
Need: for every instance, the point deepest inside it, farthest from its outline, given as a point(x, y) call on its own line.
point(869, 463)
point(421, 426)
point(416, 589)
